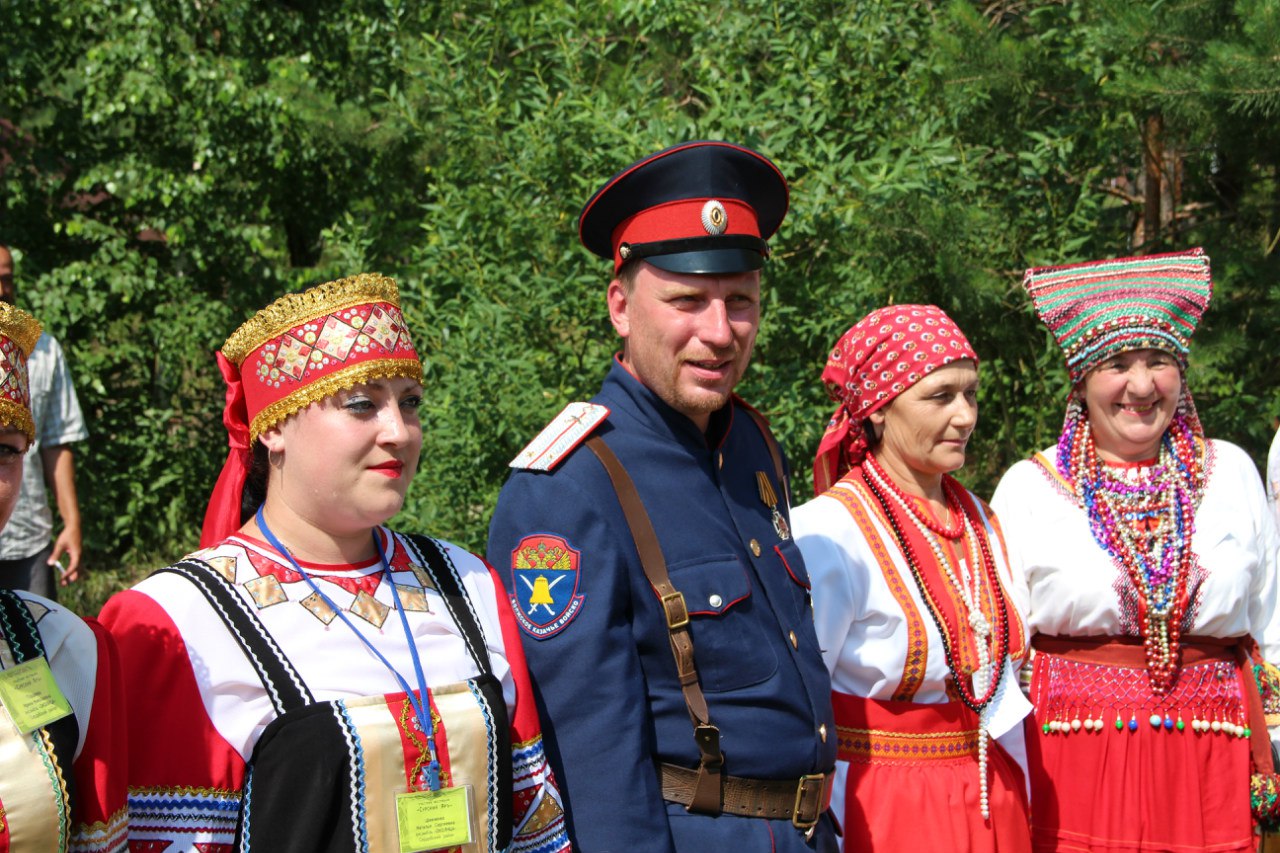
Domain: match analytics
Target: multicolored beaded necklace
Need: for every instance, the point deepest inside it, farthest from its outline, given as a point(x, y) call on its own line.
point(972, 584)
point(1144, 518)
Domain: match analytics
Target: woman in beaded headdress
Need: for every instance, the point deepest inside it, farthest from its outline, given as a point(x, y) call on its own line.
point(910, 598)
point(62, 744)
point(312, 680)
point(1149, 557)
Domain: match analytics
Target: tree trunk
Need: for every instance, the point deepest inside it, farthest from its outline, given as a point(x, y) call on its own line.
point(1153, 161)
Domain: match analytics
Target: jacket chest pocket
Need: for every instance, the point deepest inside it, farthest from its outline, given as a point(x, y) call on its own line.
point(787, 553)
point(730, 644)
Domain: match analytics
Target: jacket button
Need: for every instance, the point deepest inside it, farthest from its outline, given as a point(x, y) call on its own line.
point(715, 601)
point(755, 547)
point(822, 732)
point(795, 644)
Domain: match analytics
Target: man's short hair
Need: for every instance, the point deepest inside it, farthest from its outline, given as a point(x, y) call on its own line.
point(627, 275)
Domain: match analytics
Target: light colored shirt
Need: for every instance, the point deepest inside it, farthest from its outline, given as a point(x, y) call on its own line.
point(1273, 476)
point(58, 420)
point(1071, 583)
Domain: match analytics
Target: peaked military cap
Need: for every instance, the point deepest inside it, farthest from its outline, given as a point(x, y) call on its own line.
point(701, 207)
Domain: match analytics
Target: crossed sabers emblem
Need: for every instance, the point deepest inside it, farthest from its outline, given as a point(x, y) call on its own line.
point(540, 593)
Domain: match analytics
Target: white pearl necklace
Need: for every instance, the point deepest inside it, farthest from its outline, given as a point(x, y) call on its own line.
point(969, 583)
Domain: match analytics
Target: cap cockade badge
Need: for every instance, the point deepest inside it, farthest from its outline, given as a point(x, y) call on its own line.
point(714, 218)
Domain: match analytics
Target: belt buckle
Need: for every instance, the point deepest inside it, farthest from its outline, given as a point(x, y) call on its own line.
point(674, 608)
point(796, 820)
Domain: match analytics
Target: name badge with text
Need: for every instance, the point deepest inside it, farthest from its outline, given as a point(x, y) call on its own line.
point(31, 696)
point(434, 820)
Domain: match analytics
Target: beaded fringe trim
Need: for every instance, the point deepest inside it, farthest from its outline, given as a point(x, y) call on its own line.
point(1076, 697)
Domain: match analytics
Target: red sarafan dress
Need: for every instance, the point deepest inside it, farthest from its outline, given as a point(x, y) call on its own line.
point(909, 611)
point(1146, 725)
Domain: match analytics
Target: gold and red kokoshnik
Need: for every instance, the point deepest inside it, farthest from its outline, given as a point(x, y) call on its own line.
point(19, 332)
point(307, 346)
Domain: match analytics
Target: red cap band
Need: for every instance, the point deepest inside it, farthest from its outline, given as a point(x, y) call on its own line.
point(684, 218)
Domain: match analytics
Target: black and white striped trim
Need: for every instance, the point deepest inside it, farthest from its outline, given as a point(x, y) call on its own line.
point(284, 685)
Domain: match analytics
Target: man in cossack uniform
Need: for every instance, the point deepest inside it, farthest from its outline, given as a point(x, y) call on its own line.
point(645, 541)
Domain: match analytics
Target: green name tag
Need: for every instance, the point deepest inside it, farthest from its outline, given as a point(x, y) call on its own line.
point(31, 696)
point(434, 820)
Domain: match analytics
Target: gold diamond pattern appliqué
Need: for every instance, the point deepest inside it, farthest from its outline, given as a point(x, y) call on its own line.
point(413, 598)
point(383, 327)
point(225, 566)
point(423, 578)
point(292, 357)
point(369, 609)
point(336, 339)
point(266, 591)
point(316, 606)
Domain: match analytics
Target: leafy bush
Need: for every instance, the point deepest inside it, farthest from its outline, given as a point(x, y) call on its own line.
point(172, 166)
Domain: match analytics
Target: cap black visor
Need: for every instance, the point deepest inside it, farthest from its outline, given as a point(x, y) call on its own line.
point(709, 261)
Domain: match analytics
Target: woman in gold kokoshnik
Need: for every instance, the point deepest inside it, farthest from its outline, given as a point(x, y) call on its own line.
point(311, 680)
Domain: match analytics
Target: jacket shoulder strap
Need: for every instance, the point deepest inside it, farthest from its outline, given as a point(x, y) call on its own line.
point(708, 785)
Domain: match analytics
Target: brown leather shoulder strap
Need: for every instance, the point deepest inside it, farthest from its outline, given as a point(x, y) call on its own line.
point(707, 793)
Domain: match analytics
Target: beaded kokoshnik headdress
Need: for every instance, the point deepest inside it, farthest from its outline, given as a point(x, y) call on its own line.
point(299, 350)
point(1097, 310)
point(19, 332)
point(1100, 308)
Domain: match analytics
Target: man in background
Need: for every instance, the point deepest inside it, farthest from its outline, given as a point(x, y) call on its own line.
point(28, 551)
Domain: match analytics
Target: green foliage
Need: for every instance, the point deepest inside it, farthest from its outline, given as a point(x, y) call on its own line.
point(175, 166)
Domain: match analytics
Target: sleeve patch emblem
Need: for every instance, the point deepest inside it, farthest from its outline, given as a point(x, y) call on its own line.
point(544, 575)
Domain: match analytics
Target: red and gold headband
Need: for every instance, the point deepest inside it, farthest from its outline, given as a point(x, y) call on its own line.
point(299, 350)
point(19, 332)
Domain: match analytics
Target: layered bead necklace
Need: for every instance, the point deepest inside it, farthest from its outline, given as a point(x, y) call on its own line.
point(1144, 519)
point(973, 584)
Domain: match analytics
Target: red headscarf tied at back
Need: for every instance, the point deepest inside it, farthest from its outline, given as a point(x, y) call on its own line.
point(298, 350)
point(884, 354)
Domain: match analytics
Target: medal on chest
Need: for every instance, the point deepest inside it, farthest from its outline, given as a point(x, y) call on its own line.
point(769, 498)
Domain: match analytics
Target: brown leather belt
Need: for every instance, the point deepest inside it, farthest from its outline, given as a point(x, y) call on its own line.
point(801, 801)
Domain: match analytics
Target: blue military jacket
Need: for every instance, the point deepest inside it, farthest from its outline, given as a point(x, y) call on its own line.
point(596, 638)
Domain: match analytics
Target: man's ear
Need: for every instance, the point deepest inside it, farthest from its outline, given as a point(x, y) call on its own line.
point(619, 303)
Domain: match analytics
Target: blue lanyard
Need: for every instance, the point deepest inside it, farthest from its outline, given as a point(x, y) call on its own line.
point(418, 702)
